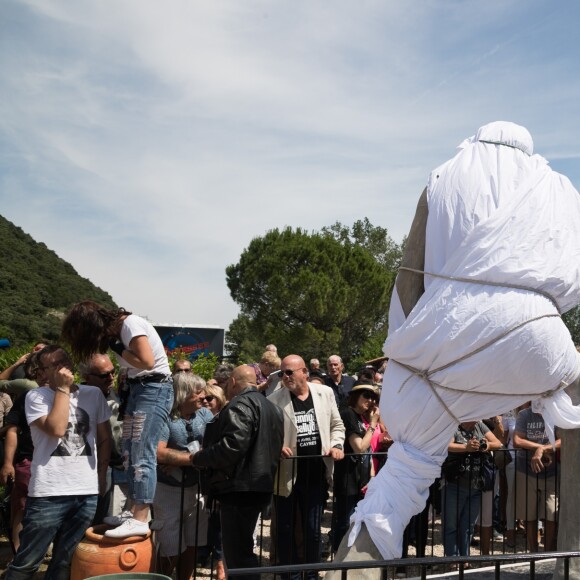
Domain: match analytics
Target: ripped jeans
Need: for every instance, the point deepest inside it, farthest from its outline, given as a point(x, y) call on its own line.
point(148, 410)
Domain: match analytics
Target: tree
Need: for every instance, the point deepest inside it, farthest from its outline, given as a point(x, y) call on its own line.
point(37, 288)
point(314, 294)
point(572, 321)
point(241, 342)
point(374, 239)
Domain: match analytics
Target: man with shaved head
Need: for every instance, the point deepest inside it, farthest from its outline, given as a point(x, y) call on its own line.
point(312, 429)
point(99, 371)
point(241, 450)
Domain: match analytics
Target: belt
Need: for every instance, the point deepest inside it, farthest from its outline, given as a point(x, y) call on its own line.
point(153, 378)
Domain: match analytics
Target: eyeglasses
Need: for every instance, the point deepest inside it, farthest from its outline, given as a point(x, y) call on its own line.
point(370, 396)
point(207, 399)
point(177, 371)
point(288, 372)
point(104, 375)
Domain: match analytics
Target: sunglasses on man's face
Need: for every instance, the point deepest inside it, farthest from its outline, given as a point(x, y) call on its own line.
point(104, 375)
point(177, 371)
point(288, 372)
point(207, 399)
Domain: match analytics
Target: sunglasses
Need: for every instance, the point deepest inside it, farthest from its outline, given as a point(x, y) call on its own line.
point(189, 430)
point(370, 396)
point(177, 371)
point(104, 375)
point(288, 372)
point(207, 399)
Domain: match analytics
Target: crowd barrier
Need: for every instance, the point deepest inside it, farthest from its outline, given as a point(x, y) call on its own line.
point(423, 545)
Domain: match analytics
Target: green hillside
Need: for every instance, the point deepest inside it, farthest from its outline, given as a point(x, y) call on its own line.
point(36, 288)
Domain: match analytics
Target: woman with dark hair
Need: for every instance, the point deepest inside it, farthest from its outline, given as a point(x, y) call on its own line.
point(90, 328)
point(360, 418)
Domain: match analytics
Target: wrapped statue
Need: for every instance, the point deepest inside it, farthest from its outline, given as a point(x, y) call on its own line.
point(475, 327)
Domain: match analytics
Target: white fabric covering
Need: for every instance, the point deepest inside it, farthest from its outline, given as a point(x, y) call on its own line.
point(496, 213)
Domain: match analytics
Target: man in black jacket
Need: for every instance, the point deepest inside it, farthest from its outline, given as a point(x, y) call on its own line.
point(240, 454)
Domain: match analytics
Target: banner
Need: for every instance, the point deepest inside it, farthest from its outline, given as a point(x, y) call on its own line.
point(192, 341)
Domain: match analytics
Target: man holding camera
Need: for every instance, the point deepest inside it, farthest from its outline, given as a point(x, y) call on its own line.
point(464, 480)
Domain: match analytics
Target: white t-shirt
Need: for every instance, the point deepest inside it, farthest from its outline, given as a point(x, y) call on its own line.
point(136, 326)
point(67, 465)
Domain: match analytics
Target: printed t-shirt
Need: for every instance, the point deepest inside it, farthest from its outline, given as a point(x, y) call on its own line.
point(67, 465)
point(532, 426)
point(307, 440)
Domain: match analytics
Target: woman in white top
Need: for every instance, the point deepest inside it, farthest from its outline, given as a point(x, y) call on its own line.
point(90, 328)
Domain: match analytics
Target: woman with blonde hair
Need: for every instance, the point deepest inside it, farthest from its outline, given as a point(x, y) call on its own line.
point(212, 397)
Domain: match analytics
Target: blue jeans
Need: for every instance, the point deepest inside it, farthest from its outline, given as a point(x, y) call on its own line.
point(302, 509)
point(460, 508)
point(59, 519)
point(148, 410)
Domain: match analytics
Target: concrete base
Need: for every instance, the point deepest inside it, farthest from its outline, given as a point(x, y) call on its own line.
point(569, 524)
point(362, 549)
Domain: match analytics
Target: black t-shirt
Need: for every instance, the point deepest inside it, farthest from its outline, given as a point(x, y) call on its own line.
point(17, 416)
point(352, 424)
point(354, 471)
point(307, 440)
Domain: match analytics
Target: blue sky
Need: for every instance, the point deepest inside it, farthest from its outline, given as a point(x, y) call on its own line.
point(148, 142)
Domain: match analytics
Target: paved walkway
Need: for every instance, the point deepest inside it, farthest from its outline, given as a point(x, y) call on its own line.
point(544, 571)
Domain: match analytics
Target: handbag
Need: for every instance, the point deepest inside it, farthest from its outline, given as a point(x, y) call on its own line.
point(486, 473)
point(502, 457)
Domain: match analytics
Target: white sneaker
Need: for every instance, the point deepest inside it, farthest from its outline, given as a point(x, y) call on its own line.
point(131, 527)
point(118, 520)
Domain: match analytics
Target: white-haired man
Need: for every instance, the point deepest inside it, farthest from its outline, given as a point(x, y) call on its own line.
point(340, 383)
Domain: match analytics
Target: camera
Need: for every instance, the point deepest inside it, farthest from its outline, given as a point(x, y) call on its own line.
point(483, 445)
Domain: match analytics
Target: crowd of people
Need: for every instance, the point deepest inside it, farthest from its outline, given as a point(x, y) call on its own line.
point(197, 462)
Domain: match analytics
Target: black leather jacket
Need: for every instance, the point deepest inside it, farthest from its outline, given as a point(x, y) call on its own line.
point(242, 446)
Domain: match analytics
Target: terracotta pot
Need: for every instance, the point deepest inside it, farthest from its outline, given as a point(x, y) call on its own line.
point(99, 555)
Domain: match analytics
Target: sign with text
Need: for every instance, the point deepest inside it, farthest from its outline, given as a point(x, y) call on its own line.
point(192, 340)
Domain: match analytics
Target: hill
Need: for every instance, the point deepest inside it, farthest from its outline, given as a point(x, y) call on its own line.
point(36, 288)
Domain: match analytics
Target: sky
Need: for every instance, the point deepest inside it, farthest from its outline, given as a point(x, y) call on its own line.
point(148, 142)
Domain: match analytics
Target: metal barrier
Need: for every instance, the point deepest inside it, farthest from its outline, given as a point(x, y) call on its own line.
point(387, 567)
point(298, 538)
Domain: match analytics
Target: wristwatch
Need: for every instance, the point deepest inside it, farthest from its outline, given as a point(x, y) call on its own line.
point(337, 446)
